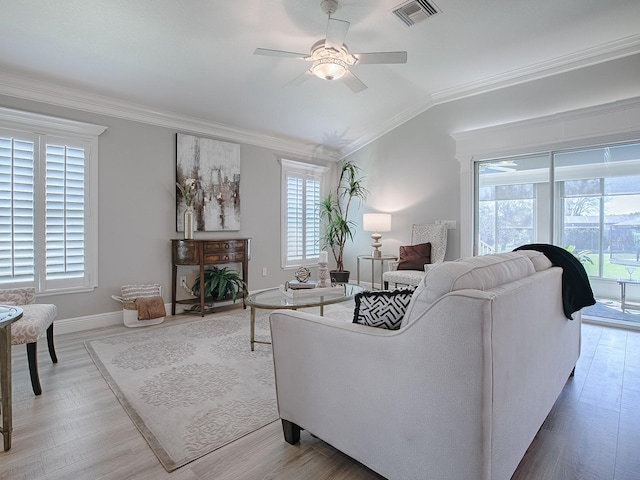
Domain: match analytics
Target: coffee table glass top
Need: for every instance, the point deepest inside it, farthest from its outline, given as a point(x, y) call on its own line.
point(273, 298)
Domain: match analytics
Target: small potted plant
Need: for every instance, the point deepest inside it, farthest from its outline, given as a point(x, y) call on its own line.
point(334, 214)
point(220, 284)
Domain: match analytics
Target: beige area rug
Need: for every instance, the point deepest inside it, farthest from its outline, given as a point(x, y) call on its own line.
point(195, 387)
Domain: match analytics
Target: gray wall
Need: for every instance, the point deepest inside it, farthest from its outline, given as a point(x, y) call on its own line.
point(411, 172)
point(137, 210)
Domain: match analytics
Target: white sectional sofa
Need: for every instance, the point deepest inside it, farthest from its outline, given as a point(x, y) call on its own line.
point(457, 392)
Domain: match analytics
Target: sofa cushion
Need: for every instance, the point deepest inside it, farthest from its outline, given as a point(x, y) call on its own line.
point(414, 257)
point(540, 260)
point(478, 273)
point(381, 309)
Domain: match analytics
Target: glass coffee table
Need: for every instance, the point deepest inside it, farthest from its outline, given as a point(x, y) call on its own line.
point(273, 298)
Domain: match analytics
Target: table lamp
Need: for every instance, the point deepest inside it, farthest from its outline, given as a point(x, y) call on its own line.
point(376, 223)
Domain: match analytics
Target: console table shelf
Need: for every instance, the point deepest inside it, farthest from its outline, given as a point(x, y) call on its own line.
point(208, 252)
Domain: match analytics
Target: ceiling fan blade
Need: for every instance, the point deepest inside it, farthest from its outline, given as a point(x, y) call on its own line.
point(279, 53)
point(381, 57)
point(303, 77)
point(336, 33)
point(354, 83)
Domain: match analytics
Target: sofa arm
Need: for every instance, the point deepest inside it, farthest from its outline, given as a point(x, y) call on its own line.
point(379, 395)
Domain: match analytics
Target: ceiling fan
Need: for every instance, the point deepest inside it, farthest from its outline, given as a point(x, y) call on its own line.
point(330, 58)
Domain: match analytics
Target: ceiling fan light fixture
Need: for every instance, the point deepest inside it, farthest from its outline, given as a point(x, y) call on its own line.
point(329, 68)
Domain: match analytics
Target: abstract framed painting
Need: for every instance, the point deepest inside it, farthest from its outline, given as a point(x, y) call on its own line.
point(214, 167)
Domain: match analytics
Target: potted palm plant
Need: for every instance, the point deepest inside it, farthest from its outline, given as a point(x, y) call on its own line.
point(334, 214)
point(219, 284)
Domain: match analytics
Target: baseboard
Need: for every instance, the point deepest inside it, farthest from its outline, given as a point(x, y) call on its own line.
point(610, 323)
point(101, 320)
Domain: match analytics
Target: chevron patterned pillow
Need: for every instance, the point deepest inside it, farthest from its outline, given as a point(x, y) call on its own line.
point(381, 309)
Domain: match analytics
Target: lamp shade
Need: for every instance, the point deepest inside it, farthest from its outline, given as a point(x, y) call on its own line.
point(376, 222)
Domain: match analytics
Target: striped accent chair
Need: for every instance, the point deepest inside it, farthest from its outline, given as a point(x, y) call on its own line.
point(37, 319)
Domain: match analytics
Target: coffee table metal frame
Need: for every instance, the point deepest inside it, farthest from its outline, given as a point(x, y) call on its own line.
point(273, 299)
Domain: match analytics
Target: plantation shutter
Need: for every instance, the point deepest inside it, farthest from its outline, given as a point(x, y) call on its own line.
point(295, 218)
point(48, 202)
point(312, 223)
point(301, 219)
point(65, 212)
point(17, 158)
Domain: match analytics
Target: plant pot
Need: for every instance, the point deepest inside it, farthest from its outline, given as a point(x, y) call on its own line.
point(339, 276)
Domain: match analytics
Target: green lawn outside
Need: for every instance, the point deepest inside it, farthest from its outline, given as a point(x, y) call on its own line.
point(610, 270)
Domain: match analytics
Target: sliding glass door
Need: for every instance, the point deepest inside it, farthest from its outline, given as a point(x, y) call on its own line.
point(586, 200)
point(598, 192)
point(511, 193)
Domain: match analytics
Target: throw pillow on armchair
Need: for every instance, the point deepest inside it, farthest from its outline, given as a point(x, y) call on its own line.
point(414, 257)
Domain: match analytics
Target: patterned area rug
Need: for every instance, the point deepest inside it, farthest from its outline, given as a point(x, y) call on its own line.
point(191, 388)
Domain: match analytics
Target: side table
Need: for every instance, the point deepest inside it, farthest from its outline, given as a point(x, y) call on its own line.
point(373, 260)
point(8, 315)
point(624, 305)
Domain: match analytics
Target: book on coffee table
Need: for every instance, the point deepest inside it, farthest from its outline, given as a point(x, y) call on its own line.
point(296, 285)
point(311, 292)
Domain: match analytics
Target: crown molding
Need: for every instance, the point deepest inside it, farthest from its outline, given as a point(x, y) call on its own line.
point(608, 123)
point(28, 88)
point(566, 63)
point(584, 58)
point(31, 89)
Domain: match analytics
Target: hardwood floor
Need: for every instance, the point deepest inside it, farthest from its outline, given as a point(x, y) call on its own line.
point(77, 429)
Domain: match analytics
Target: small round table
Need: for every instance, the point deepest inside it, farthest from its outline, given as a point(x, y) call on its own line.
point(273, 298)
point(8, 315)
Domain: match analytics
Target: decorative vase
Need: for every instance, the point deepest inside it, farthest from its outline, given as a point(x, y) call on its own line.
point(188, 223)
point(323, 276)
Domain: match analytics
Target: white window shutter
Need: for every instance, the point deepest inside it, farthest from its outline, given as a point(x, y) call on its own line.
point(16, 209)
point(65, 212)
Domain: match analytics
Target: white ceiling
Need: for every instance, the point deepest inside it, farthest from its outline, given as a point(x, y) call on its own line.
point(194, 58)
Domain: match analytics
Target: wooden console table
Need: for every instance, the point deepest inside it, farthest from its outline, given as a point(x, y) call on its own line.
point(208, 252)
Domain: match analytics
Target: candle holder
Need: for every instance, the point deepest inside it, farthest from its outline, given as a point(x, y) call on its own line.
point(323, 275)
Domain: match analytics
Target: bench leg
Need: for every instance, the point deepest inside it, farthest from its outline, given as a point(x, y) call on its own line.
point(386, 285)
point(32, 358)
point(52, 349)
point(291, 432)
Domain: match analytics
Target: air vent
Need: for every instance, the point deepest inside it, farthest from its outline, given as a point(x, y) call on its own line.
point(415, 11)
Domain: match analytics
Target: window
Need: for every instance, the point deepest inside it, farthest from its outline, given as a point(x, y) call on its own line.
point(48, 194)
point(594, 208)
point(511, 194)
point(302, 187)
point(598, 207)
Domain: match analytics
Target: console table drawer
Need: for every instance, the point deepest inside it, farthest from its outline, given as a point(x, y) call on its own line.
point(224, 246)
point(223, 257)
point(186, 252)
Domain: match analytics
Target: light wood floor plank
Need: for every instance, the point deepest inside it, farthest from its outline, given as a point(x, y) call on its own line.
point(77, 429)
